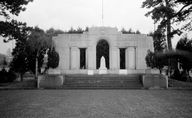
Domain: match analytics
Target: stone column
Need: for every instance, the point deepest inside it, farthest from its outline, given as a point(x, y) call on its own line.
point(114, 58)
point(91, 58)
point(86, 58)
point(75, 58)
point(131, 58)
point(136, 57)
point(118, 58)
point(67, 56)
point(127, 58)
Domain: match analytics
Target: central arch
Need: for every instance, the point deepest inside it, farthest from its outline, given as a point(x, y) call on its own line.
point(102, 49)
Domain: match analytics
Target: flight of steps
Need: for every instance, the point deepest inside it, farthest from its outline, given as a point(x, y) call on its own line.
point(107, 81)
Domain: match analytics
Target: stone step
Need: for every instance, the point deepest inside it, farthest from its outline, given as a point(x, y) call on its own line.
point(104, 75)
point(102, 81)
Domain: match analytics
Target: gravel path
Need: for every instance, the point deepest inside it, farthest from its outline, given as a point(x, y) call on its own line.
point(96, 104)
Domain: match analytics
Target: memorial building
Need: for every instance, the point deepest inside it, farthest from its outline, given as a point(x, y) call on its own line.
point(102, 50)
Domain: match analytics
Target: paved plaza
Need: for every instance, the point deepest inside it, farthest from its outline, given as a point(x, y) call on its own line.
point(96, 104)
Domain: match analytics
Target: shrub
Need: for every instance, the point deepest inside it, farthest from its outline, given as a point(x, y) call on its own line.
point(5, 76)
point(53, 59)
point(11, 76)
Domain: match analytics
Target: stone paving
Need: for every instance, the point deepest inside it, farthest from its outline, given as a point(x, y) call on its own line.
point(96, 103)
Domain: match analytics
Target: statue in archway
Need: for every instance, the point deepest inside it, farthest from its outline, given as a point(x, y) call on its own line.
point(102, 49)
point(102, 64)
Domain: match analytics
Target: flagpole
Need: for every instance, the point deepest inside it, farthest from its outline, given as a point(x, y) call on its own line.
point(102, 15)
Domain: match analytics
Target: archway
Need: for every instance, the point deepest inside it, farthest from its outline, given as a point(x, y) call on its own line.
point(102, 50)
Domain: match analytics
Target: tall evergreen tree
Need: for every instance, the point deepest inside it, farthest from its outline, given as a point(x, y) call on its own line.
point(167, 13)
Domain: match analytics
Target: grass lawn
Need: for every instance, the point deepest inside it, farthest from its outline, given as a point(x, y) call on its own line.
point(96, 103)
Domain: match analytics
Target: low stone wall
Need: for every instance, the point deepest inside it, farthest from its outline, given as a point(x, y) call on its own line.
point(50, 81)
point(155, 81)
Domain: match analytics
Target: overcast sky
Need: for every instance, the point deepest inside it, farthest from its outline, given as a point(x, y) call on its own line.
point(64, 14)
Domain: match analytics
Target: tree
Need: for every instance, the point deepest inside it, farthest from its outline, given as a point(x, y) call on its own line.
point(86, 29)
point(53, 59)
point(137, 32)
point(37, 45)
point(150, 61)
point(130, 31)
point(158, 41)
point(184, 46)
point(8, 27)
point(20, 34)
point(54, 32)
point(12, 7)
point(12, 29)
point(154, 61)
point(19, 62)
point(167, 12)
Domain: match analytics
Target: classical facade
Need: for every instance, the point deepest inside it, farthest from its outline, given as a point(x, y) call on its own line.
point(123, 53)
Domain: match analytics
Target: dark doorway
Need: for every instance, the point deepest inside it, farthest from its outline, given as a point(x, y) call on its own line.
point(83, 58)
point(102, 50)
point(122, 58)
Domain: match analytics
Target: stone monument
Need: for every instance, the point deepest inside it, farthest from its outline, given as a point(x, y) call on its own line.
point(80, 50)
point(102, 68)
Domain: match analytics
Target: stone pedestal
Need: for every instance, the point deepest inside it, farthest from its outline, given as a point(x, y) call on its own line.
point(54, 79)
point(155, 81)
point(90, 72)
point(123, 72)
point(50, 81)
point(103, 71)
point(53, 71)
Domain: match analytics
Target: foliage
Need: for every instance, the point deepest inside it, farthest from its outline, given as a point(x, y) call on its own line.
point(150, 59)
point(53, 56)
point(3, 62)
point(159, 41)
point(5, 76)
point(53, 59)
point(184, 46)
point(11, 28)
point(20, 33)
point(130, 31)
point(53, 32)
point(36, 47)
point(19, 63)
point(154, 61)
point(167, 13)
point(8, 7)
point(79, 30)
point(29, 52)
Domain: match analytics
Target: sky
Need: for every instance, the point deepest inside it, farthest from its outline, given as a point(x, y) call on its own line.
point(64, 14)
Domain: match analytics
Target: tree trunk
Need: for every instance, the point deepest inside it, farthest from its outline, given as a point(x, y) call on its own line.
point(21, 77)
point(168, 27)
point(168, 34)
point(36, 67)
